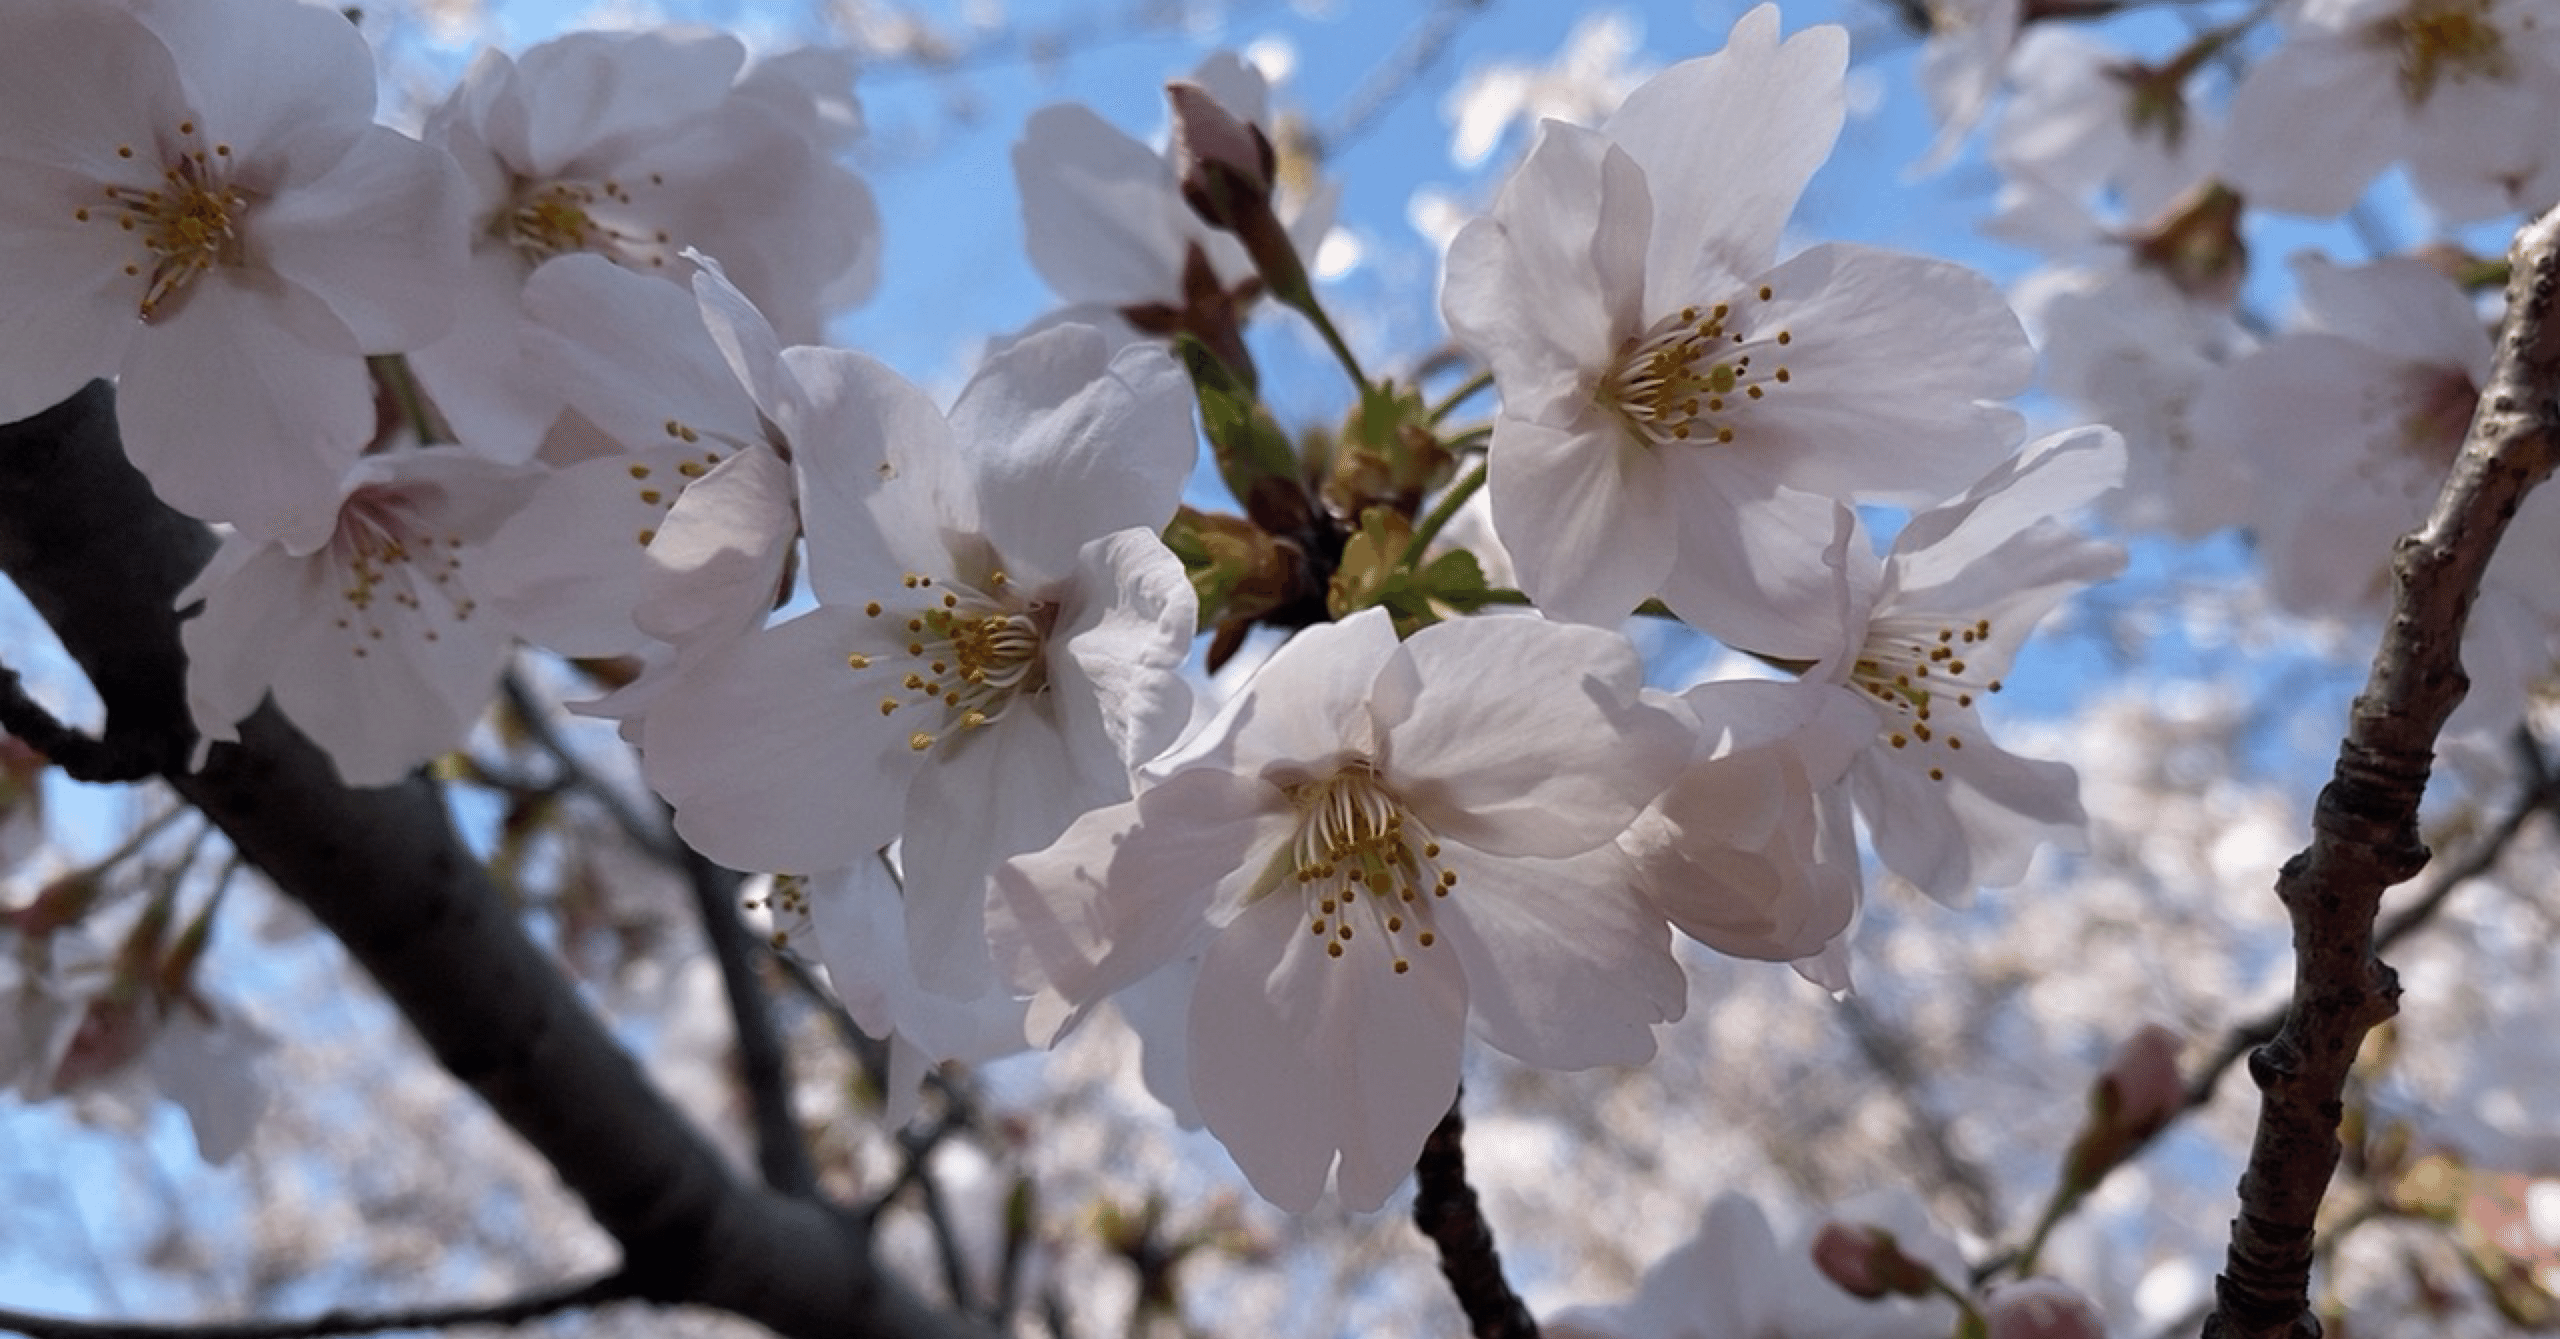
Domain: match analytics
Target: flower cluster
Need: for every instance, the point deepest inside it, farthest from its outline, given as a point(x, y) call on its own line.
point(550, 376)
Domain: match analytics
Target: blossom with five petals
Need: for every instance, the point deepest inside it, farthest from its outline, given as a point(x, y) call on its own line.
point(997, 642)
point(194, 197)
point(1373, 846)
point(1663, 375)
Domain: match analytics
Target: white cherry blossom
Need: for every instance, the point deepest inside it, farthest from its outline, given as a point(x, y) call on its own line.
point(1932, 633)
point(1373, 847)
point(636, 147)
point(996, 642)
point(194, 198)
point(373, 644)
point(1664, 375)
point(2462, 91)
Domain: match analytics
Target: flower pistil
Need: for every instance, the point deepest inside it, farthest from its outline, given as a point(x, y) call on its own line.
point(1682, 380)
point(187, 224)
point(967, 657)
point(1354, 838)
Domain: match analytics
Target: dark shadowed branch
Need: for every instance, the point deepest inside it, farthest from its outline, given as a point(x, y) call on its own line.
point(2365, 825)
point(1445, 1208)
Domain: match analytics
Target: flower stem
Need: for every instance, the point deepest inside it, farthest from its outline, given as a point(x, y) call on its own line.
point(1467, 390)
point(1314, 311)
point(1437, 519)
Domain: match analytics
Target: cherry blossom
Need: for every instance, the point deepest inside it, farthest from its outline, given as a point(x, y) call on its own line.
point(1929, 633)
point(996, 642)
point(374, 643)
point(2359, 411)
point(674, 391)
point(636, 146)
point(1663, 375)
point(198, 202)
point(2459, 90)
point(1373, 847)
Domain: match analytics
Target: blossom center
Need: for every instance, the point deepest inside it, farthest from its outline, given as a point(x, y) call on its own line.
point(968, 654)
point(555, 218)
point(1914, 668)
point(1689, 377)
point(394, 569)
point(2438, 38)
point(1362, 862)
point(187, 224)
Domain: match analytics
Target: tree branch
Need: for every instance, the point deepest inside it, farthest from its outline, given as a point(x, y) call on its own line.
point(2540, 793)
point(1445, 1208)
point(514, 1311)
point(2365, 829)
point(102, 561)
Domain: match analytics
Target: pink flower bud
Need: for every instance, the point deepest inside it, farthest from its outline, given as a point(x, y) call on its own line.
point(2145, 1083)
point(2041, 1309)
point(1867, 1262)
point(1846, 1256)
point(1222, 162)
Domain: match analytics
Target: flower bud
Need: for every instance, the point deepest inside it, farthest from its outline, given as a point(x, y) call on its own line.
point(2137, 1094)
point(1225, 165)
point(2041, 1308)
point(1867, 1262)
point(2143, 1082)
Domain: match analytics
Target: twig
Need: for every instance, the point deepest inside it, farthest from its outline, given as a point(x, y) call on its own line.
point(654, 835)
point(2365, 828)
point(764, 1068)
point(2540, 794)
point(764, 1063)
point(514, 1311)
point(1445, 1208)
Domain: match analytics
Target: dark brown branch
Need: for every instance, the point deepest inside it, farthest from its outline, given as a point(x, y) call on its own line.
point(382, 869)
point(2365, 826)
point(1445, 1208)
point(514, 1311)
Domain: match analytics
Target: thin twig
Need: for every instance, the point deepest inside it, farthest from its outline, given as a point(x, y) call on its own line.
point(2365, 826)
point(1445, 1208)
point(764, 1063)
point(514, 1311)
point(2541, 793)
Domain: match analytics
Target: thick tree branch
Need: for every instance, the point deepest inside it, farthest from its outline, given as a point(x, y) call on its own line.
point(2365, 826)
point(514, 1311)
point(383, 870)
point(80, 757)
